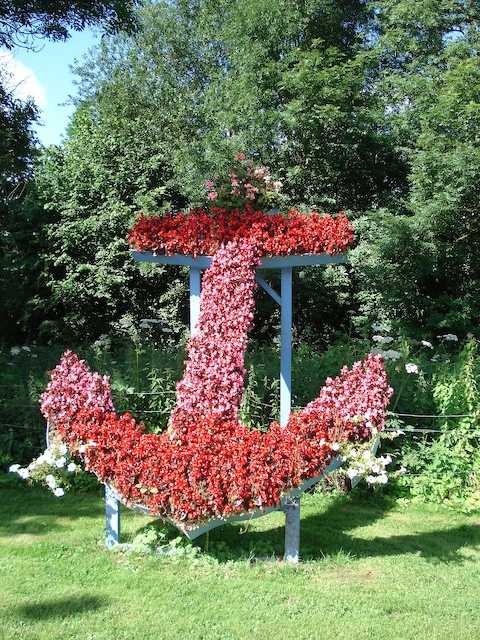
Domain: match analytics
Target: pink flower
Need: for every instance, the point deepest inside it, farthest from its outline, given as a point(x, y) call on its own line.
point(240, 157)
point(212, 195)
point(209, 184)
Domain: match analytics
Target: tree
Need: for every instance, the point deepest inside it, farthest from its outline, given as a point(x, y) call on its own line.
point(17, 154)
point(352, 104)
point(93, 187)
point(22, 22)
point(429, 82)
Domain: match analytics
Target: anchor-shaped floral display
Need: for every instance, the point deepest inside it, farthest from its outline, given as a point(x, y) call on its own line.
point(208, 465)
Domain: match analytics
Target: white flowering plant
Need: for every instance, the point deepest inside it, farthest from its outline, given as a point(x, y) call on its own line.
point(361, 462)
point(54, 468)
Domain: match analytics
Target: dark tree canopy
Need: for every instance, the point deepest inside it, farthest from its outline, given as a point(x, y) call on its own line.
point(16, 140)
point(24, 21)
point(368, 105)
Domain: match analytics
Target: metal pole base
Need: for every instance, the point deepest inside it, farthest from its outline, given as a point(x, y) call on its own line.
point(292, 530)
point(112, 518)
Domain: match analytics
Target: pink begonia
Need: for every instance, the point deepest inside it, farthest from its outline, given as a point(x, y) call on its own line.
point(215, 372)
point(359, 394)
point(73, 387)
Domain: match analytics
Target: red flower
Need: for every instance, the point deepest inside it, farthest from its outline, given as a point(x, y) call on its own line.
point(201, 232)
point(208, 464)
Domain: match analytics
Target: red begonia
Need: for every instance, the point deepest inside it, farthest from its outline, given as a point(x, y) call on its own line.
point(204, 232)
point(208, 464)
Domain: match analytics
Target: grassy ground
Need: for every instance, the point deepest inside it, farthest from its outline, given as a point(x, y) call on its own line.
point(373, 569)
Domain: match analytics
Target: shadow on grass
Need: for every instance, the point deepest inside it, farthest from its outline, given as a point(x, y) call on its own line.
point(61, 607)
point(34, 511)
point(330, 534)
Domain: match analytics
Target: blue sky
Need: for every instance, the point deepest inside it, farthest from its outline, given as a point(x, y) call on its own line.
point(46, 76)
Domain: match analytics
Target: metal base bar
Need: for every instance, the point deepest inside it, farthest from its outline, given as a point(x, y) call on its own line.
point(112, 518)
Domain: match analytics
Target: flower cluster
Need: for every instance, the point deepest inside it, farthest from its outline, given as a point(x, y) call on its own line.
point(202, 232)
point(244, 184)
point(51, 468)
point(208, 464)
point(72, 387)
point(214, 467)
point(358, 398)
point(363, 463)
point(215, 372)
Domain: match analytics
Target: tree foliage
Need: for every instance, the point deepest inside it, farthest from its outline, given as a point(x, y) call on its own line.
point(18, 240)
point(23, 22)
point(372, 106)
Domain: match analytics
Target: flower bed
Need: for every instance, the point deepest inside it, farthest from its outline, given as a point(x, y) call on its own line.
point(204, 232)
point(209, 465)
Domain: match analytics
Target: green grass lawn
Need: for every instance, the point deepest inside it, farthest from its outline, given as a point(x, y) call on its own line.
point(372, 569)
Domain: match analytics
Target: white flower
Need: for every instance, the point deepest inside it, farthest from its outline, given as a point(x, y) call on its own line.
point(377, 326)
point(383, 339)
point(449, 337)
point(63, 449)
point(25, 348)
point(83, 447)
point(352, 473)
point(14, 351)
point(382, 479)
point(371, 479)
point(50, 480)
point(60, 462)
point(391, 354)
point(411, 367)
point(23, 473)
point(72, 467)
point(335, 446)
point(59, 492)
point(428, 344)
point(14, 468)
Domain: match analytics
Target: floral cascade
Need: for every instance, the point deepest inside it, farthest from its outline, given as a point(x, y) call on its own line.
point(215, 372)
point(209, 465)
point(205, 231)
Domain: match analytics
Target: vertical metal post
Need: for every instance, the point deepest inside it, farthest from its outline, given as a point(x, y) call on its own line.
point(291, 509)
point(195, 287)
point(291, 506)
point(286, 346)
point(112, 518)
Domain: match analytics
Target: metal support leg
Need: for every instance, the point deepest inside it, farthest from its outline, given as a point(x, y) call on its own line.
point(112, 518)
point(286, 347)
point(195, 287)
point(292, 530)
point(291, 507)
